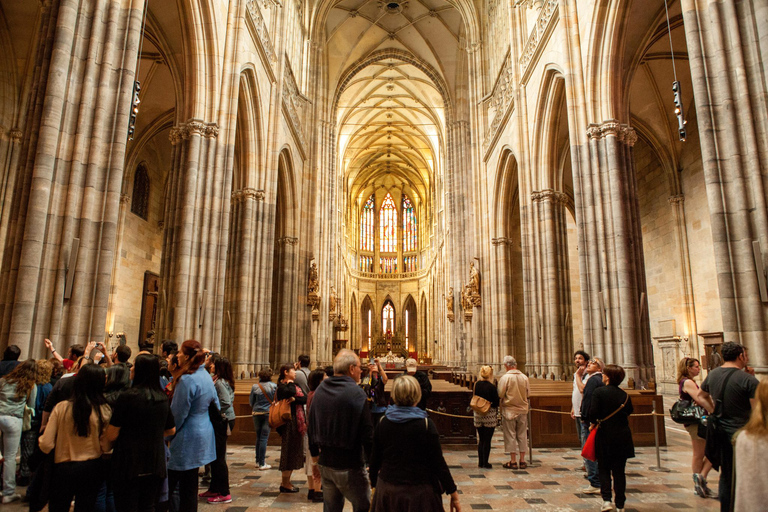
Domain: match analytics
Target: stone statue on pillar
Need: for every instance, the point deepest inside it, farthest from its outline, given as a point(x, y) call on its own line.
point(313, 291)
point(449, 304)
point(332, 305)
point(473, 287)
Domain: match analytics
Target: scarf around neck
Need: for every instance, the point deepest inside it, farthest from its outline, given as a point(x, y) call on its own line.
point(401, 414)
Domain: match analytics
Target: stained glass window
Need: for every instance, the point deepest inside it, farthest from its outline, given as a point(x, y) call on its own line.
point(410, 264)
point(366, 226)
point(388, 265)
point(388, 225)
point(140, 200)
point(366, 263)
point(388, 318)
point(409, 226)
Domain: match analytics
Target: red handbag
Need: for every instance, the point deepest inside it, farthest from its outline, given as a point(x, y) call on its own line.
point(589, 451)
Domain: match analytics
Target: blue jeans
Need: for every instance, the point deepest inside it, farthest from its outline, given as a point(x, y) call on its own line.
point(10, 426)
point(351, 484)
point(592, 473)
point(261, 425)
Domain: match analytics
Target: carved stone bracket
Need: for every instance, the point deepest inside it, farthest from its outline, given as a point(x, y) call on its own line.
point(675, 200)
point(125, 199)
point(288, 240)
point(549, 195)
point(15, 135)
point(502, 240)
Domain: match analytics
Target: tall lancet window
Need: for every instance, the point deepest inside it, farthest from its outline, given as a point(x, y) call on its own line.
point(388, 225)
point(388, 318)
point(366, 226)
point(410, 237)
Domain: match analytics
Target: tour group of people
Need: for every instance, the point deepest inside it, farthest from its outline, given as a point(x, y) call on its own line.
point(116, 435)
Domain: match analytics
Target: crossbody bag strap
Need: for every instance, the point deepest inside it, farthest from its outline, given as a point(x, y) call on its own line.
point(614, 412)
point(271, 400)
point(725, 384)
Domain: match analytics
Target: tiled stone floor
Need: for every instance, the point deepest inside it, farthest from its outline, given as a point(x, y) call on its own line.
point(552, 483)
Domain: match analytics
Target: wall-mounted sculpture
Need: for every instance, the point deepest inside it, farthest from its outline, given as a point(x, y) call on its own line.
point(313, 291)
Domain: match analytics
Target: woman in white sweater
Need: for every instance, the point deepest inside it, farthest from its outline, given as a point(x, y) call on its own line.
point(751, 456)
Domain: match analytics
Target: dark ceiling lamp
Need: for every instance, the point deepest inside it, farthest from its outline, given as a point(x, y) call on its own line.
point(676, 88)
point(135, 100)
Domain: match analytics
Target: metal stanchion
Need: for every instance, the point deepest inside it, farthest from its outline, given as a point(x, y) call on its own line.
point(530, 442)
point(658, 467)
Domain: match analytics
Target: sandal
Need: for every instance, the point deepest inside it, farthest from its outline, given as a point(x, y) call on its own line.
point(509, 465)
point(523, 464)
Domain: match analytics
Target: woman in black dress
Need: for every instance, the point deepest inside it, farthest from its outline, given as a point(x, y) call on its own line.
point(486, 423)
point(614, 438)
point(293, 432)
point(407, 467)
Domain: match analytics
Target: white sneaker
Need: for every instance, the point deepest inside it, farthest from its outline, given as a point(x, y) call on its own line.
point(590, 490)
point(607, 506)
point(265, 467)
point(11, 498)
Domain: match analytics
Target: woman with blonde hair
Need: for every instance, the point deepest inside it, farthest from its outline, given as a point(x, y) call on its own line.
point(687, 369)
point(751, 456)
point(485, 423)
point(407, 466)
point(17, 391)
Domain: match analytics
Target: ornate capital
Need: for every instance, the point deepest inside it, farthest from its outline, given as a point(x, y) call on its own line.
point(246, 194)
point(599, 131)
point(125, 199)
point(676, 199)
point(630, 136)
point(15, 135)
point(193, 127)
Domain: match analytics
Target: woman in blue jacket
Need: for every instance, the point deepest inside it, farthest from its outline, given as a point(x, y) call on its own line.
point(194, 444)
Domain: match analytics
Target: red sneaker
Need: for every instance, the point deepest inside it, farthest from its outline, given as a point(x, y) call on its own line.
point(221, 499)
point(207, 494)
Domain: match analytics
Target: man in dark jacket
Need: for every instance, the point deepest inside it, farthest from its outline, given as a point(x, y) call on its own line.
point(339, 430)
point(734, 385)
point(411, 368)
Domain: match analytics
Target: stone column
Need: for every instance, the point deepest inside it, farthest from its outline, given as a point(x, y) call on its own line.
point(615, 320)
point(552, 285)
point(70, 174)
point(726, 48)
point(10, 167)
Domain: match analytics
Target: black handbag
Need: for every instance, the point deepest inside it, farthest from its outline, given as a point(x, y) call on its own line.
point(686, 412)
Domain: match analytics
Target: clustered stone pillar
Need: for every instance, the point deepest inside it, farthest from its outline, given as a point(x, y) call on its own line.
point(614, 300)
point(550, 340)
point(724, 42)
point(194, 240)
point(68, 182)
point(243, 302)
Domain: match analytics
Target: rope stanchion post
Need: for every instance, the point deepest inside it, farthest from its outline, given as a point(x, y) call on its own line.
point(658, 467)
point(530, 441)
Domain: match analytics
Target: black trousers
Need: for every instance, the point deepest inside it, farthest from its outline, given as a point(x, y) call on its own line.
point(724, 487)
point(219, 469)
point(78, 480)
point(613, 467)
point(138, 494)
point(187, 483)
point(484, 437)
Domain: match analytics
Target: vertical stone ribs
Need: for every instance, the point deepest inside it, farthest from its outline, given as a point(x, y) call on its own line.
point(620, 331)
point(551, 340)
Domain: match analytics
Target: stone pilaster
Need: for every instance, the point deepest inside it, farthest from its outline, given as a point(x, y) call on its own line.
point(70, 174)
point(729, 84)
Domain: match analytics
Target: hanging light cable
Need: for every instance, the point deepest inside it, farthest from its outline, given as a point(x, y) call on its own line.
point(676, 88)
point(135, 100)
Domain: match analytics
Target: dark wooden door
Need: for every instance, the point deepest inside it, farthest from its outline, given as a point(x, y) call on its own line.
point(149, 304)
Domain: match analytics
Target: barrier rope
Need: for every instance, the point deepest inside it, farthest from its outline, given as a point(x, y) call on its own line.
point(537, 410)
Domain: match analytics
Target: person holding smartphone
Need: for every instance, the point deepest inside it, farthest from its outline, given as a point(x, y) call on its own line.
point(373, 385)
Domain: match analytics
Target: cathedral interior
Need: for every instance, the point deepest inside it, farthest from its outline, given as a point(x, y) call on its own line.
point(450, 180)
